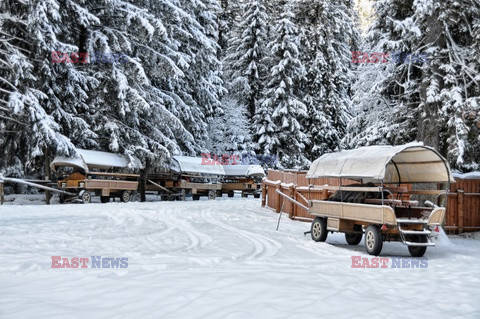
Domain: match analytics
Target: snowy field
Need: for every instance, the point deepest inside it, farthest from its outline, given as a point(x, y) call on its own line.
point(215, 259)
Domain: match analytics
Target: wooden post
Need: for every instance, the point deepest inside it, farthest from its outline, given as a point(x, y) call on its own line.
point(278, 198)
point(460, 201)
point(2, 198)
point(324, 194)
point(264, 194)
point(292, 195)
point(143, 181)
point(48, 194)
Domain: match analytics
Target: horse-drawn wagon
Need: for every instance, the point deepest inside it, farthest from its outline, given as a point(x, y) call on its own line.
point(188, 176)
point(244, 178)
point(380, 206)
point(92, 172)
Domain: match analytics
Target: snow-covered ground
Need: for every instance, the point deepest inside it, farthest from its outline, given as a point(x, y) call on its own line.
point(215, 259)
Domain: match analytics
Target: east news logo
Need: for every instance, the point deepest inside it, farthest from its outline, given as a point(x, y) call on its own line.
point(386, 262)
point(84, 262)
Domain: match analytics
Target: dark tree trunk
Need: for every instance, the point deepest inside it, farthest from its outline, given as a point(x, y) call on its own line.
point(428, 125)
point(48, 194)
point(143, 181)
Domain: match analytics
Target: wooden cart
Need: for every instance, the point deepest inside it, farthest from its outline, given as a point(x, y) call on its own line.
point(187, 176)
point(90, 173)
point(380, 207)
point(244, 178)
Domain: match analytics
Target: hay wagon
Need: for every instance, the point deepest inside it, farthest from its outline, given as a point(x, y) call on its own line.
point(380, 206)
point(244, 178)
point(94, 172)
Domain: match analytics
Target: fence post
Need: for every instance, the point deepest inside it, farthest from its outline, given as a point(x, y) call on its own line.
point(460, 210)
point(278, 198)
point(324, 194)
point(264, 194)
point(291, 189)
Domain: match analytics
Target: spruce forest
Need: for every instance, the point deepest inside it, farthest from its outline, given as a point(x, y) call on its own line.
point(228, 77)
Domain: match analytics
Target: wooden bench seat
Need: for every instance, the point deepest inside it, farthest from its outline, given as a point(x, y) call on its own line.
point(393, 202)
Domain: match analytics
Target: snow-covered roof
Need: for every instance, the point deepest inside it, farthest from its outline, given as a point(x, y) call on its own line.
point(193, 165)
point(87, 160)
point(410, 163)
point(244, 170)
point(471, 175)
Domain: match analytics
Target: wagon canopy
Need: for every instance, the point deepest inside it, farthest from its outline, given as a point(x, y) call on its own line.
point(410, 163)
point(244, 170)
point(193, 165)
point(88, 160)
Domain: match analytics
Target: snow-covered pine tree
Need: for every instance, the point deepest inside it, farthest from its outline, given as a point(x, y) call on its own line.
point(199, 90)
point(372, 121)
point(381, 102)
point(155, 104)
point(450, 81)
point(435, 102)
point(283, 134)
point(230, 132)
point(328, 31)
point(48, 98)
point(230, 13)
point(126, 108)
point(244, 64)
point(265, 130)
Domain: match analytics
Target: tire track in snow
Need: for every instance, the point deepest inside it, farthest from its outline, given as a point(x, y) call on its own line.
point(263, 247)
point(176, 235)
point(197, 238)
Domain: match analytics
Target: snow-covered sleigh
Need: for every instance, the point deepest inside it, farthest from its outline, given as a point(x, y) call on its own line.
point(380, 207)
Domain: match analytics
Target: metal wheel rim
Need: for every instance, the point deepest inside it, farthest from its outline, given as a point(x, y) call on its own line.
point(86, 197)
point(126, 196)
point(370, 240)
point(316, 230)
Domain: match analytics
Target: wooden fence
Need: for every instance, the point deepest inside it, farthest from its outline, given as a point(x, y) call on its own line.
point(463, 203)
point(463, 206)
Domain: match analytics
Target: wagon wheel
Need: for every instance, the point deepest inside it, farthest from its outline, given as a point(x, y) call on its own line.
point(135, 196)
point(418, 251)
point(125, 196)
point(183, 195)
point(85, 197)
point(212, 194)
point(353, 238)
point(319, 229)
point(373, 240)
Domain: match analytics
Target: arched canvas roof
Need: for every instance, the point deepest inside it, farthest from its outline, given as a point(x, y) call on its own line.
point(88, 160)
point(410, 163)
point(193, 165)
point(244, 170)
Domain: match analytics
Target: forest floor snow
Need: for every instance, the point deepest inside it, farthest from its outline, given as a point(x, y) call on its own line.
point(215, 259)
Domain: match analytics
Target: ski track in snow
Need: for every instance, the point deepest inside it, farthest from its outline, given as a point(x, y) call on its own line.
point(215, 259)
